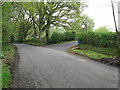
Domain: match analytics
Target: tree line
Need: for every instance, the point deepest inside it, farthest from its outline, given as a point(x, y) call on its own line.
point(23, 19)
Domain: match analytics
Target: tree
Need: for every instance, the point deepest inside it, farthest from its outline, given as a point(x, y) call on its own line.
point(7, 24)
point(47, 15)
point(37, 17)
point(117, 32)
point(22, 16)
point(85, 21)
point(61, 14)
point(102, 29)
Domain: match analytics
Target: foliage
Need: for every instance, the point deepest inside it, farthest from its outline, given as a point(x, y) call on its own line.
point(98, 39)
point(87, 22)
point(21, 20)
point(8, 53)
point(69, 35)
point(7, 25)
point(7, 57)
point(57, 37)
point(111, 51)
point(6, 76)
point(102, 29)
point(57, 29)
point(81, 21)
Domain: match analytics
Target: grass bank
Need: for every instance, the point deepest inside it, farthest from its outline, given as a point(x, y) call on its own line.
point(106, 55)
point(106, 51)
point(6, 75)
point(91, 54)
point(8, 58)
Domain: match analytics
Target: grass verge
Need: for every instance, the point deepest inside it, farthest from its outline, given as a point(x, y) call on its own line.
point(99, 54)
point(6, 75)
point(106, 51)
point(92, 54)
point(8, 58)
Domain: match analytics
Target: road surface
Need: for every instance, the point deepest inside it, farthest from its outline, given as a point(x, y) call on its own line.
point(62, 46)
point(49, 67)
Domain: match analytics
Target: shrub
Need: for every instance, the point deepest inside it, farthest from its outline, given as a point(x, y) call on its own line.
point(57, 37)
point(98, 39)
point(69, 36)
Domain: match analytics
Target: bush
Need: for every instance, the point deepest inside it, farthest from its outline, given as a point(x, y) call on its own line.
point(69, 36)
point(57, 37)
point(98, 39)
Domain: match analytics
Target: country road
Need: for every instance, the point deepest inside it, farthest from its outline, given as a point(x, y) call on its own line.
point(51, 67)
point(61, 46)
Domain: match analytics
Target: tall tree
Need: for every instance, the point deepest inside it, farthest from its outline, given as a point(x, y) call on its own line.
point(24, 19)
point(7, 25)
point(42, 16)
point(117, 32)
point(61, 14)
point(85, 21)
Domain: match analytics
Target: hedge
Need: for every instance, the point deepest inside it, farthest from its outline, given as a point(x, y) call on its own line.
point(69, 35)
point(98, 39)
point(57, 37)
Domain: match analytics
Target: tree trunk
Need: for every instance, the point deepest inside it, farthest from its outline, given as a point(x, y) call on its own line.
point(48, 28)
point(47, 36)
point(117, 32)
point(20, 36)
point(35, 33)
point(24, 37)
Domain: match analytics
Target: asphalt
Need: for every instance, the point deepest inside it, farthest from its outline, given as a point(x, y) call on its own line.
point(51, 67)
point(61, 46)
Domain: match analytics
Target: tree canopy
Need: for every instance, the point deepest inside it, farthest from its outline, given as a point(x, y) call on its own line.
point(33, 18)
point(103, 29)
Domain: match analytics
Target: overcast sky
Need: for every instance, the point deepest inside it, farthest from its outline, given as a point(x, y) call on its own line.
point(101, 12)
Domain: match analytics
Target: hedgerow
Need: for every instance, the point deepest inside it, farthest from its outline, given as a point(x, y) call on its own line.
point(57, 37)
point(69, 35)
point(98, 39)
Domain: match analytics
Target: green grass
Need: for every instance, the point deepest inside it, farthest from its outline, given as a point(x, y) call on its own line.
point(6, 76)
point(0, 74)
point(107, 51)
point(96, 52)
point(7, 57)
point(92, 54)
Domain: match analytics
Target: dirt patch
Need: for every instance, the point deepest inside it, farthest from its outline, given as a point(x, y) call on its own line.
point(109, 61)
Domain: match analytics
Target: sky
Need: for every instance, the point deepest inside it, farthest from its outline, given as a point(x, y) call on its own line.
point(101, 12)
